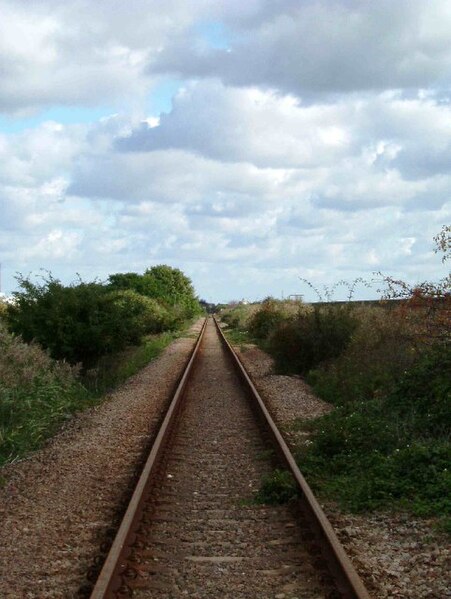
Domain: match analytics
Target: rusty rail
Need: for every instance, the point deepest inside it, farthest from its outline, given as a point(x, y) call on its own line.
point(348, 582)
point(109, 579)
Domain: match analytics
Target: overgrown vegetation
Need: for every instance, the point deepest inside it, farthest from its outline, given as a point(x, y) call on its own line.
point(112, 370)
point(62, 346)
point(392, 449)
point(311, 337)
point(168, 286)
point(386, 369)
point(277, 488)
point(36, 395)
point(82, 322)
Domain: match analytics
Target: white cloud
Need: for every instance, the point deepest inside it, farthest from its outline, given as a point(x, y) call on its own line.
point(270, 165)
point(267, 130)
point(80, 53)
point(326, 47)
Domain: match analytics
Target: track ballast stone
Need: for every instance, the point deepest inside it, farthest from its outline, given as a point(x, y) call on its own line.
point(203, 535)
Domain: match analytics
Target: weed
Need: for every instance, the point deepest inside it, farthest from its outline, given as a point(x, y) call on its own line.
point(277, 488)
point(265, 454)
point(391, 450)
point(38, 394)
point(236, 337)
point(379, 351)
point(310, 338)
point(266, 319)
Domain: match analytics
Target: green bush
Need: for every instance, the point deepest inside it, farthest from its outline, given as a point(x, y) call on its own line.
point(310, 338)
point(266, 319)
point(423, 395)
point(169, 286)
point(390, 450)
point(237, 317)
point(144, 314)
point(36, 395)
point(83, 321)
point(379, 351)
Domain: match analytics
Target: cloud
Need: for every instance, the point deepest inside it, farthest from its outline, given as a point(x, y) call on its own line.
point(82, 53)
point(87, 54)
point(326, 47)
point(267, 130)
point(354, 154)
point(298, 142)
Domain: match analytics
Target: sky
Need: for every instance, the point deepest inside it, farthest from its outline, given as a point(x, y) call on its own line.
point(250, 144)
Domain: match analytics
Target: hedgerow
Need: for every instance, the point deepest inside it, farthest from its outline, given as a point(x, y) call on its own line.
point(300, 343)
point(389, 450)
point(83, 321)
point(93, 332)
point(167, 285)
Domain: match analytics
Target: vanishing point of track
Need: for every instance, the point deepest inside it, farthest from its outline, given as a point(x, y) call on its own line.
point(192, 528)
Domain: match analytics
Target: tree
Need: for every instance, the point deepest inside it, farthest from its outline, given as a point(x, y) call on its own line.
point(165, 284)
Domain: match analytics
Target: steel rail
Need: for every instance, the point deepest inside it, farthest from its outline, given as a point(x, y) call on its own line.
point(109, 580)
point(348, 582)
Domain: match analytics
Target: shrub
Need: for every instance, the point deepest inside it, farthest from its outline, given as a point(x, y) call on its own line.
point(144, 314)
point(83, 321)
point(304, 341)
point(393, 449)
point(237, 316)
point(379, 351)
point(36, 395)
point(169, 286)
point(266, 319)
point(423, 395)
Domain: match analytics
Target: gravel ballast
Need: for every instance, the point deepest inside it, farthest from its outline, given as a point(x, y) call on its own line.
point(57, 505)
point(397, 555)
point(202, 534)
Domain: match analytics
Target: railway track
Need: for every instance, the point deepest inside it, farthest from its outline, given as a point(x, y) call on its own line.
point(193, 528)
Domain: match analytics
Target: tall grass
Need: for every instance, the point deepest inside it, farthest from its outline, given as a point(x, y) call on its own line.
point(36, 395)
point(389, 449)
